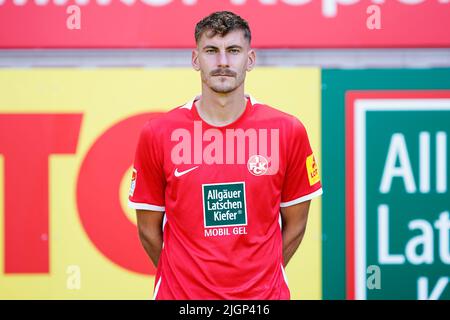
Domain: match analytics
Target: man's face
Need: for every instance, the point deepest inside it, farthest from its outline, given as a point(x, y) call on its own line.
point(223, 61)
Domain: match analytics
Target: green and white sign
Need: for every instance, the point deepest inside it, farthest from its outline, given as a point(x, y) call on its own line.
point(401, 203)
point(224, 204)
point(386, 159)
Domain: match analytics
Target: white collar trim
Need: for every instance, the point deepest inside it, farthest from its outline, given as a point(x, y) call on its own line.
point(188, 105)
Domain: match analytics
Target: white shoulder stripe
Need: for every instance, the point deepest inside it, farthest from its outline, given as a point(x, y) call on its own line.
point(302, 199)
point(145, 206)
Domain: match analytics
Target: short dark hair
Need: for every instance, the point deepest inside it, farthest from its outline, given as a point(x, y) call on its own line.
point(222, 22)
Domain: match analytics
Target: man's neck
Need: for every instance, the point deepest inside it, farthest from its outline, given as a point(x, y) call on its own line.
point(221, 109)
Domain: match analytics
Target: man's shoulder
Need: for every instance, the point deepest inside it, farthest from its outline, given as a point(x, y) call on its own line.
point(170, 117)
point(290, 124)
point(274, 113)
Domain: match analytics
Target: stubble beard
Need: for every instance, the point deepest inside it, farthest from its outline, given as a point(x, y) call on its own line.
point(224, 88)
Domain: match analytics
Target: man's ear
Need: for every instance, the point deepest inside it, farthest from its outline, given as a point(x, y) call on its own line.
point(251, 60)
point(194, 61)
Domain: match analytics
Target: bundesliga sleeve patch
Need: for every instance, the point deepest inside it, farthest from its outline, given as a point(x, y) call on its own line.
point(133, 182)
point(313, 171)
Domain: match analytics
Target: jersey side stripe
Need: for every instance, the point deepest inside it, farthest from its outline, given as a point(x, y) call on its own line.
point(157, 288)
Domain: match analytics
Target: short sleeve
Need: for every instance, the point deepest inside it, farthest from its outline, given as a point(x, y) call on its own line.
point(301, 180)
point(148, 180)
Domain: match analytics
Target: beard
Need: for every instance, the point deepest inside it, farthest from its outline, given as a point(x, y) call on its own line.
point(218, 85)
point(222, 88)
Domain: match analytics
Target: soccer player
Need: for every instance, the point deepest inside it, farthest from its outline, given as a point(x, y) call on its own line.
point(222, 184)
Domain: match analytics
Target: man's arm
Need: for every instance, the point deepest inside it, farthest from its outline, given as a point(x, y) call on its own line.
point(294, 220)
point(150, 232)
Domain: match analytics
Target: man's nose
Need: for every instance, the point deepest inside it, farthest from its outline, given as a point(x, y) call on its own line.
point(222, 59)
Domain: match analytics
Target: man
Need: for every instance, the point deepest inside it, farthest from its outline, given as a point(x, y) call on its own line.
point(222, 185)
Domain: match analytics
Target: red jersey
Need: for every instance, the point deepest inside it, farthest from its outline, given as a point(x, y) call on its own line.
point(221, 189)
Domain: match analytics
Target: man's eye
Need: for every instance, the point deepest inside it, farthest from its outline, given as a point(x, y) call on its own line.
point(234, 51)
point(210, 51)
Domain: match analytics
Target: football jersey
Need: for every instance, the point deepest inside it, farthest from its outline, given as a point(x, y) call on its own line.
point(221, 189)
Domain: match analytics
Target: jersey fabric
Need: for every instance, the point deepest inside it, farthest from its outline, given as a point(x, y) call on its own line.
point(221, 189)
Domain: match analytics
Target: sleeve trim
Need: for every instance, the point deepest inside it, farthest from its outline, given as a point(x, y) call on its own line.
point(145, 206)
point(302, 198)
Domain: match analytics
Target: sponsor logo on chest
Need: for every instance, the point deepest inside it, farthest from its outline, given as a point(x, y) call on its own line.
point(224, 205)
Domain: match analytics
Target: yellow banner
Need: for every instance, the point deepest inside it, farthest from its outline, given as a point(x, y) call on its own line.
point(67, 145)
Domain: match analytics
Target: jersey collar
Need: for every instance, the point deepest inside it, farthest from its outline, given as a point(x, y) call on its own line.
point(188, 105)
